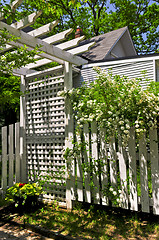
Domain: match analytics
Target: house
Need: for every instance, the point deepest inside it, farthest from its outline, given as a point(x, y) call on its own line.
point(114, 44)
point(115, 51)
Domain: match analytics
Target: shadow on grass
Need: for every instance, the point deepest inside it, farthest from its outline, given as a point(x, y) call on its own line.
point(93, 222)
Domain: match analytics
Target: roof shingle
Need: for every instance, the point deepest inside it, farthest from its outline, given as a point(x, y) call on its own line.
point(103, 45)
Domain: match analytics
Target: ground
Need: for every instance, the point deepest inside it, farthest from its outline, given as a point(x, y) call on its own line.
point(9, 231)
point(83, 222)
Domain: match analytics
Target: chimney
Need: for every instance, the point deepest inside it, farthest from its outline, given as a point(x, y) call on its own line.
point(78, 32)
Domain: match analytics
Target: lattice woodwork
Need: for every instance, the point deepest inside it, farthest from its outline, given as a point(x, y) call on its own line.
point(45, 129)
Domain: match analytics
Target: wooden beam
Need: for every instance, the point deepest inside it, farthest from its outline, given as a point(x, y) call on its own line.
point(48, 51)
point(67, 45)
point(58, 37)
point(70, 44)
point(75, 51)
point(44, 29)
point(46, 71)
point(36, 32)
point(25, 22)
point(16, 4)
point(81, 49)
point(54, 59)
point(23, 71)
point(39, 63)
point(13, 5)
point(64, 46)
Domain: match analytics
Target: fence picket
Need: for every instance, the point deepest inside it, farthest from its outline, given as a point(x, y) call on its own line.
point(104, 172)
point(79, 172)
point(11, 156)
point(4, 160)
point(143, 174)
point(154, 158)
point(95, 191)
point(99, 158)
point(123, 173)
point(87, 191)
point(17, 152)
point(113, 162)
point(132, 171)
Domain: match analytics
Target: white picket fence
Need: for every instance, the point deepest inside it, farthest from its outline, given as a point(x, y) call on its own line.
point(11, 160)
point(134, 169)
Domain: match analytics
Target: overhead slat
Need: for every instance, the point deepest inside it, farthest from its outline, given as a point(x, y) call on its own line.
point(13, 5)
point(70, 44)
point(25, 22)
point(36, 32)
point(44, 29)
point(23, 71)
point(76, 50)
point(66, 45)
point(48, 51)
point(54, 59)
point(58, 37)
point(39, 63)
point(81, 49)
point(16, 4)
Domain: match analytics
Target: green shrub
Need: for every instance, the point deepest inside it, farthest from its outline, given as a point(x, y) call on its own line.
point(22, 193)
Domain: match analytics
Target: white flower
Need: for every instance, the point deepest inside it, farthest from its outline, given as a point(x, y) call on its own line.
point(114, 193)
point(121, 122)
point(126, 131)
point(111, 189)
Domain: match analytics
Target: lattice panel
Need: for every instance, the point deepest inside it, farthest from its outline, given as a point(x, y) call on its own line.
point(45, 130)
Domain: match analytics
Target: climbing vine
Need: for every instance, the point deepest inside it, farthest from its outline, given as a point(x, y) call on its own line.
point(115, 103)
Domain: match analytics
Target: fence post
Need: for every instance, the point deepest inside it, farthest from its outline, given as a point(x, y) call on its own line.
point(11, 155)
point(123, 172)
point(69, 129)
point(94, 139)
point(22, 132)
point(132, 171)
point(154, 158)
point(17, 152)
point(143, 174)
point(4, 160)
point(87, 162)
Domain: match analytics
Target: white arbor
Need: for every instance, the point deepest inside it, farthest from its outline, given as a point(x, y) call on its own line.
point(45, 119)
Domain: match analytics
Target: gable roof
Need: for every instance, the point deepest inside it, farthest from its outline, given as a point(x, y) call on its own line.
point(105, 43)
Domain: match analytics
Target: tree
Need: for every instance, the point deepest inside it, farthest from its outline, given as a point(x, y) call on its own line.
point(141, 16)
point(99, 16)
point(9, 60)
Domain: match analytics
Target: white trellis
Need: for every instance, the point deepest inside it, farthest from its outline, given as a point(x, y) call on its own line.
point(46, 123)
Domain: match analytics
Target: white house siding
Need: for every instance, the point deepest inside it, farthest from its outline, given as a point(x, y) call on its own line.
point(157, 71)
point(118, 50)
point(130, 69)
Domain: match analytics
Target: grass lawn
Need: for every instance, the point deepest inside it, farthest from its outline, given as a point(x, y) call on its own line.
point(88, 223)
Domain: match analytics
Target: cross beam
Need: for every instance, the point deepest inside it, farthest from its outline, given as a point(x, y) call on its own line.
point(49, 51)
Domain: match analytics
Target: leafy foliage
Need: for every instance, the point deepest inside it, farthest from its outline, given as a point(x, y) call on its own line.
point(10, 60)
point(20, 192)
point(115, 103)
point(101, 16)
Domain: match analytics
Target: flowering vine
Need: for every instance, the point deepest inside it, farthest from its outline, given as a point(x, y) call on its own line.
point(115, 103)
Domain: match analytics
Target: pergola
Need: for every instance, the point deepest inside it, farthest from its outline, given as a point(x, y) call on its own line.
point(51, 49)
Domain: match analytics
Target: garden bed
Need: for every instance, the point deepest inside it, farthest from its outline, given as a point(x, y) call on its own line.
point(83, 222)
